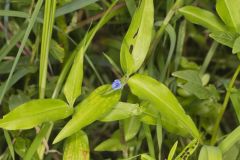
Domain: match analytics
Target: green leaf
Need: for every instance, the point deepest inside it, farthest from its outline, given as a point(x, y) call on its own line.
point(198, 90)
point(121, 111)
point(73, 86)
point(111, 144)
point(189, 76)
point(98, 103)
point(138, 38)
point(131, 127)
point(73, 6)
point(10, 145)
point(210, 153)
point(230, 140)
point(131, 5)
point(202, 17)
point(76, 147)
point(34, 113)
point(188, 150)
point(173, 115)
point(232, 153)
point(193, 84)
point(229, 12)
point(172, 151)
point(150, 114)
point(236, 46)
point(226, 38)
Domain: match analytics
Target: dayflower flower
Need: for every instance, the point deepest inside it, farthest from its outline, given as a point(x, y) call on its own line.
point(116, 84)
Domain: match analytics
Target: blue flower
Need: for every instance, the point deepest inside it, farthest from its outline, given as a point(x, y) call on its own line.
point(116, 84)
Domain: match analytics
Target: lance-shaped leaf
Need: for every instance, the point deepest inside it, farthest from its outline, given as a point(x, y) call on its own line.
point(229, 12)
point(138, 38)
point(98, 103)
point(76, 147)
point(202, 17)
point(173, 116)
point(172, 151)
point(34, 113)
point(210, 153)
point(73, 86)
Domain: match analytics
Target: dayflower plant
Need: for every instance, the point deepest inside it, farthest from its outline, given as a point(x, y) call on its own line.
point(159, 97)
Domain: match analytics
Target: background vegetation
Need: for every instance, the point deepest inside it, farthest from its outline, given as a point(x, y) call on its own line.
point(126, 79)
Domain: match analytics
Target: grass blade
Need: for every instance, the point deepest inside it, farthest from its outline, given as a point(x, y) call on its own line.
point(11, 13)
point(73, 6)
point(14, 40)
point(37, 141)
point(10, 145)
point(46, 38)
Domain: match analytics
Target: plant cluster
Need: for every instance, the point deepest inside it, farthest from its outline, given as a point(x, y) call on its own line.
point(119, 79)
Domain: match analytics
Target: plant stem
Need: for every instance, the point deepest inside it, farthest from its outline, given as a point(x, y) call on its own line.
point(208, 58)
point(160, 32)
point(159, 136)
point(122, 140)
point(224, 106)
point(49, 14)
point(149, 140)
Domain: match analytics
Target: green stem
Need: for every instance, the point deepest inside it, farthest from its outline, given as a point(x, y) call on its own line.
point(224, 106)
point(159, 136)
point(122, 140)
point(208, 58)
point(49, 14)
point(94, 69)
point(160, 32)
point(149, 140)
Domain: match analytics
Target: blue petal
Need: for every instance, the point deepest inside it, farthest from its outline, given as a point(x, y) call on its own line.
point(116, 84)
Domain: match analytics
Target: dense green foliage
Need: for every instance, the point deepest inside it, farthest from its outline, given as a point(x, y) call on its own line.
point(119, 79)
